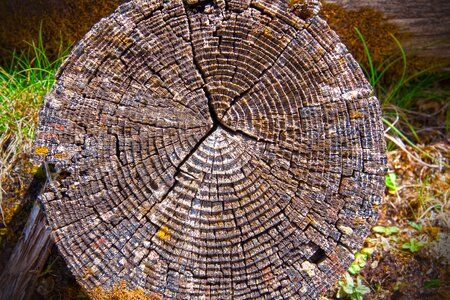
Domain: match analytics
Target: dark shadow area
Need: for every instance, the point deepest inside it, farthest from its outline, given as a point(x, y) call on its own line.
point(18, 221)
point(60, 22)
point(56, 281)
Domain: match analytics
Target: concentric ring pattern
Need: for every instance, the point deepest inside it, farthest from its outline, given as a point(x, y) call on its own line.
point(212, 149)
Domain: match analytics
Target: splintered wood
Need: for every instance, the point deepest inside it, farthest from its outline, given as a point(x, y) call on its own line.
point(212, 150)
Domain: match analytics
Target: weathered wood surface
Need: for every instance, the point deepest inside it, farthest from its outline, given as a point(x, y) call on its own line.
point(428, 21)
point(19, 278)
point(226, 149)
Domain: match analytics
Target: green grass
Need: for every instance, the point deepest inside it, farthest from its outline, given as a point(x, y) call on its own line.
point(411, 84)
point(23, 84)
point(397, 94)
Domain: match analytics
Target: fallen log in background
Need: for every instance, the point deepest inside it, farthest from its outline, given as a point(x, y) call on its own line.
point(427, 22)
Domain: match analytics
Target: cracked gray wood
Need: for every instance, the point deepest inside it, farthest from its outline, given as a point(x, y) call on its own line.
point(216, 149)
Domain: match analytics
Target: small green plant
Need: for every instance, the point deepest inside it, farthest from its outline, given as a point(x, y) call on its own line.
point(360, 260)
point(416, 226)
point(348, 288)
point(389, 230)
point(413, 245)
point(409, 86)
point(391, 183)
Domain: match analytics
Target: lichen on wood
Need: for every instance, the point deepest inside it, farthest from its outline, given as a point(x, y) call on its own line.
point(212, 149)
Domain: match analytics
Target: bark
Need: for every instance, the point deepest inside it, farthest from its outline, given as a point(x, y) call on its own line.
point(212, 149)
point(18, 279)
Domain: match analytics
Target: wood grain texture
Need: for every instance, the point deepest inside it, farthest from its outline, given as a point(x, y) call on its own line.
point(19, 277)
point(217, 150)
point(428, 22)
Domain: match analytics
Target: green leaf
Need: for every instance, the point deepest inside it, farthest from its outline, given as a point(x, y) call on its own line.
point(432, 283)
point(367, 251)
point(349, 279)
point(362, 289)
point(356, 296)
point(416, 226)
point(391, 230)
point(414, 245)
point(349, 289)
point(391, 182)
point(360, 259)
point(379, 229)
point(354, 269)
point(386, 230)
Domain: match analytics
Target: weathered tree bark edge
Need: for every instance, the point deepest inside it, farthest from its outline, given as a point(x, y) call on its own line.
point(19, 278)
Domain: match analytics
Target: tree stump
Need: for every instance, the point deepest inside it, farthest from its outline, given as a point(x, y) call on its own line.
point(212, 149)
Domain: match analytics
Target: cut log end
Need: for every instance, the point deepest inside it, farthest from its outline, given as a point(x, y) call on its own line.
point(217, 149)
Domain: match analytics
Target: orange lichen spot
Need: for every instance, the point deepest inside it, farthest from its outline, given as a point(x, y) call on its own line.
point(121, 292)
point(61, 155)
point(41, 150)
point(163, 232)
point(267, 31)
point(34, 169)
point(57, 126)
point(356, 115)
point(88, 272)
